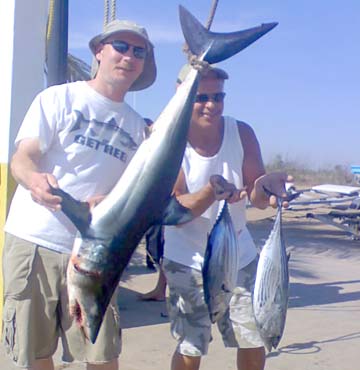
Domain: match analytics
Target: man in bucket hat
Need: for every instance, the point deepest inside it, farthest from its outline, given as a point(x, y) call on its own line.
point(112, 31)
point(80, 137)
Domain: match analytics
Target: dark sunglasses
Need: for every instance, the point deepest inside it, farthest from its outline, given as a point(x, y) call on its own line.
point(216, 98)
point(123, 46)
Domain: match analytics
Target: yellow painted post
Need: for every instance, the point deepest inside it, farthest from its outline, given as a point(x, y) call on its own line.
point(7, 187)
point(22, 70)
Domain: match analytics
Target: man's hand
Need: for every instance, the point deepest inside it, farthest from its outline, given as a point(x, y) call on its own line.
point(271, 186)
point(224, 190)
point(38, 184)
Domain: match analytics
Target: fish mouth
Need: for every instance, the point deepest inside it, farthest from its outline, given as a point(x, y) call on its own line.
point(86, 304)
point(82, 271)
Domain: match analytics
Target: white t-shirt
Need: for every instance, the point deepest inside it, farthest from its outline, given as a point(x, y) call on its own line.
point(186, 244)
point(87, 141)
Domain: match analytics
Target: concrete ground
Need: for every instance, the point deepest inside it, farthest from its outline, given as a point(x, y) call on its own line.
point(323, 323)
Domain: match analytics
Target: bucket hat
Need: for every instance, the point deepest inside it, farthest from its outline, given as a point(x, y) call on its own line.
point(148, 75)
point(186, 68)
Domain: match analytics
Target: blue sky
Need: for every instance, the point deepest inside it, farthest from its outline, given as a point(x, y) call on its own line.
point(298, 86)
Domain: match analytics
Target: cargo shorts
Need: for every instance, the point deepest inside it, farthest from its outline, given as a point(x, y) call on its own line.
point(36, 309)
point(189, 315)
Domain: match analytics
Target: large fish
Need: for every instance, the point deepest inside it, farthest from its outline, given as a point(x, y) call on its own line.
point(271, 291)
point(110, 233)
point(221, 263)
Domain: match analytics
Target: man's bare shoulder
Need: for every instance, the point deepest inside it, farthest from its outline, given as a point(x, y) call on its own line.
point(245, 130)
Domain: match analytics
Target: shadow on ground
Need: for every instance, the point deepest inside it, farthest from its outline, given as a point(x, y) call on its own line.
point(302, 295)
point(135, 313)
point(311, 347)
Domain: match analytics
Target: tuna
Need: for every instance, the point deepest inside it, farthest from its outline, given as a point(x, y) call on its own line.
point(271, 291)
point(221, 263)
point(109, 234)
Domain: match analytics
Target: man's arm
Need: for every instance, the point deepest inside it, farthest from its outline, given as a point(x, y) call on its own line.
point(253, 166)
point(254, 177)
point(197, 202)
point(24, 168)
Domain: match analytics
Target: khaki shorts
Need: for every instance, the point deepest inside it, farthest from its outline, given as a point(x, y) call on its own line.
point(35, 312)
point(189, 316)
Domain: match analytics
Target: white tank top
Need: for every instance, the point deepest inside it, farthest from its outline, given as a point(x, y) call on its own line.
point(186, 244)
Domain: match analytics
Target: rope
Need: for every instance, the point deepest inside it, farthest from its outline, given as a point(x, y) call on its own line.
point(109, 14)
point(113, 10)
point(212, 14)
point(201, 65)
point(106, 12)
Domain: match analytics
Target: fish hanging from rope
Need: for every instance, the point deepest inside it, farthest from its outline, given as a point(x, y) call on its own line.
point(109, 234)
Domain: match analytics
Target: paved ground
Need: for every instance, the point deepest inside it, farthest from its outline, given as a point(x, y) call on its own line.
point(323, 325)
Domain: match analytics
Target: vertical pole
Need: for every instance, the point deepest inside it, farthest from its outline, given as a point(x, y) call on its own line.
point(57, 44)
point(22, 68)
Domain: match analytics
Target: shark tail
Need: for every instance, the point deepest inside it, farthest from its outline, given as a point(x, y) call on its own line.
point(215, 47)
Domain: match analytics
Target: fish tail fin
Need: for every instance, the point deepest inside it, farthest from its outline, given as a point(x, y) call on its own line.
point(215, 47)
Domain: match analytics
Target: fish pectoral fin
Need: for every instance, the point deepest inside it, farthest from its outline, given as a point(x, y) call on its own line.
point(176, 214)
point(78, 212)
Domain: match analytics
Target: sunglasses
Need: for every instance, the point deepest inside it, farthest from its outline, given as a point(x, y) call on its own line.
point(216, 98)
point(122, 47)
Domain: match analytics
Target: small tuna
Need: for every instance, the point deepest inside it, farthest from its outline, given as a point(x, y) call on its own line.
point(271, 292)
point(221, 263)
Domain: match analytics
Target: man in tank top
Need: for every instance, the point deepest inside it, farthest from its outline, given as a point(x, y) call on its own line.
point(224, 146)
